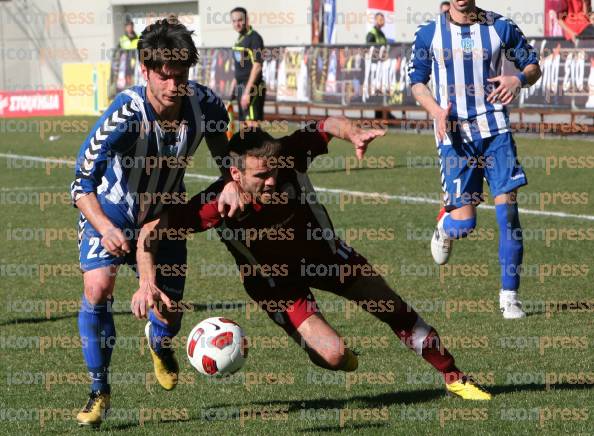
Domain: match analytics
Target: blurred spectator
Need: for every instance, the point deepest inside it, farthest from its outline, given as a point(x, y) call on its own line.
point(444, 7)
point(552, 26)
point(574, 19)
point(129, 40)
point(375, 35)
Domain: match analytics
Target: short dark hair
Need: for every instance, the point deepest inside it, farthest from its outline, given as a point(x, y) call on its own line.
point(443, 3)
point(167, 42)
point(378, 14)
point(253, 142)
point(240, 9)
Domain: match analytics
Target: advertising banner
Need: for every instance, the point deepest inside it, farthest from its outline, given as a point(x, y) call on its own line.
point(292, 76)
point(19, 104)
point(376, 76)
point(567, 80)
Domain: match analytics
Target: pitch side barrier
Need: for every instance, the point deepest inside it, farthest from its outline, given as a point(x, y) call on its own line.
point(309, 82)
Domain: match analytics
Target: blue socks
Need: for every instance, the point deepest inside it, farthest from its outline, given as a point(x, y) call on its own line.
point(511, 246)
point(456, 229)
point(97, 333)
point(161, 335)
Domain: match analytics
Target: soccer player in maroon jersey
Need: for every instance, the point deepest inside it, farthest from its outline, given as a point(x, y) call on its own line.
point(284, 244)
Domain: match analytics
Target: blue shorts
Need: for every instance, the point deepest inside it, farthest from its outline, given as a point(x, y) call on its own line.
point(464, 165)
point(171, 257)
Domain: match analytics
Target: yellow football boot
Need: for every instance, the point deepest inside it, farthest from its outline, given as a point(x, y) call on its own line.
point(467, 390)
point(95, 410)
point(166, 367)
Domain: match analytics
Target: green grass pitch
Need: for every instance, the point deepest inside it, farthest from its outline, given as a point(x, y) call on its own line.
point(541, 369)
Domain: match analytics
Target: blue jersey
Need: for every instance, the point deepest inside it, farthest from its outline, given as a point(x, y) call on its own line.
point(459, 59)
point(133, 165)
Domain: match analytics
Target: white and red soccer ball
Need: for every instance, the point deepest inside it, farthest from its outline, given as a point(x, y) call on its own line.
point(217, 346)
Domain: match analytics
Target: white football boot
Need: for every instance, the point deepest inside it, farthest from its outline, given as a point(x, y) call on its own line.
point(510, 306)
point(441, 244)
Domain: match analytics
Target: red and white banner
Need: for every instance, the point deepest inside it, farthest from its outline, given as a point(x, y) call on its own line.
point(20, 104)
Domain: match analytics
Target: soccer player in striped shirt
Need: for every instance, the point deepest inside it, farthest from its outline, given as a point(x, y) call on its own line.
point(129, 168)
point(462, 52)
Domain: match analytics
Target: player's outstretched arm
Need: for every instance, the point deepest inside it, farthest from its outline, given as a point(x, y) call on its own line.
point(346, 129)
point(148, 294)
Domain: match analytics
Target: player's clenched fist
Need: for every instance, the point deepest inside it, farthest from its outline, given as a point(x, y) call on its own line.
point(147, 297)
point(115, 242)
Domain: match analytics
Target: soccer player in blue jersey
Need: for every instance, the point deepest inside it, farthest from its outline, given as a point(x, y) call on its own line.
point(129, 168)
point(462, 52)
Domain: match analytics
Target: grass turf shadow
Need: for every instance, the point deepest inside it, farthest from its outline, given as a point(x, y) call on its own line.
point(380, 400)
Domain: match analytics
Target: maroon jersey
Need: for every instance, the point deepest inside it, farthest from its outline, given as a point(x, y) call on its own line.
point(275, 239)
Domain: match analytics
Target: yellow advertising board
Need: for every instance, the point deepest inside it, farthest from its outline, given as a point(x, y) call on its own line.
point(86, 88)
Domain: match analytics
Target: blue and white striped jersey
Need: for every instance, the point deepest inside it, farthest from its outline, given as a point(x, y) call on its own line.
point(133, 165)
point(459, 59)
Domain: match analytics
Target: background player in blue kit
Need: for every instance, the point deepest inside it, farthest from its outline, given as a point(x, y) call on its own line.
point(462, 52)
point(130, 166)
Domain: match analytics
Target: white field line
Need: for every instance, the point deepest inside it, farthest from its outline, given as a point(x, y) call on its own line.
point(403, 198)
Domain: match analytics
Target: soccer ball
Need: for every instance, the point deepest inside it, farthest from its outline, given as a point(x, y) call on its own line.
point(217, 346)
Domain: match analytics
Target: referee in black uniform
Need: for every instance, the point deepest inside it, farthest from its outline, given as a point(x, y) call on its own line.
point(249, 88)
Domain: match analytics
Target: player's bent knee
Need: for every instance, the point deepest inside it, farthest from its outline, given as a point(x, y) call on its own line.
point(99, 284)
point(97, 292)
